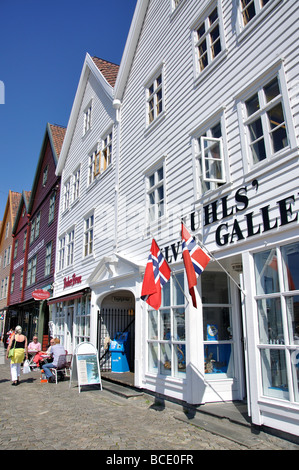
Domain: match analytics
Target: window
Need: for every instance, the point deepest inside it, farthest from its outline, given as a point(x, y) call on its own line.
point(12, 284)
point(207, 39)
point(66, 195)
point(70, 247)
point(265, 122)
point(106, 152)
point(59, 320)
point(76, 184)
point(83, 320)
point(6, 230)
point(277, 301)
point(250, 8)
point(45, 175)
point(35, 226)
point(87, 120)
point(31, 271)
point(52, 207)
point(103, 158)
point(21, 278)
point(217, 325)
point(91, 167)
point(24, 241)
point(166, 332)
point(48, 259)
point(209, 158)
point(155, 98)
point(155, 194)
point(61, 252)
point(16, 249)
point(88, 235)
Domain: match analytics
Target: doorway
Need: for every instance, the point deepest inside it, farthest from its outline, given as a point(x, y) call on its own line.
point(116, 314)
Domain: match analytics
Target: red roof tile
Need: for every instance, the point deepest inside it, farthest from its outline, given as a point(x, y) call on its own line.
point(58, 133)
point(108, 70)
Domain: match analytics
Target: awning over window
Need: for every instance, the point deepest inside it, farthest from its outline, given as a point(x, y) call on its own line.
point(66, 298)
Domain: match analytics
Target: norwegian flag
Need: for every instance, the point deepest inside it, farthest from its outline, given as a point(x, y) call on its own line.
point(195, 261)
point(157, 273)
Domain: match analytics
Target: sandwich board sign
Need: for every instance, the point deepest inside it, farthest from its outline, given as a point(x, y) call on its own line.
point(86, 368)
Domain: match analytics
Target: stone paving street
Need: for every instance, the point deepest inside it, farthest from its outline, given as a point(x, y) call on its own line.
point(44, 416)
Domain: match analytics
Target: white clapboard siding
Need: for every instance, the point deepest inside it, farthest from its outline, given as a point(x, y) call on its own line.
point(167, 38)
point(99, 197)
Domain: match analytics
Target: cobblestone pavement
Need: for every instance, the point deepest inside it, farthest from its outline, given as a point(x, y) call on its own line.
point(44, 416)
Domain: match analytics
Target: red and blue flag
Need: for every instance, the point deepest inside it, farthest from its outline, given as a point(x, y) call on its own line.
point(157, 273)
point(195, 261)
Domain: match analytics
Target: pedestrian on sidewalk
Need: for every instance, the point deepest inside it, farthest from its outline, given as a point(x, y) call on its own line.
point(19, 343)
point(56, 351)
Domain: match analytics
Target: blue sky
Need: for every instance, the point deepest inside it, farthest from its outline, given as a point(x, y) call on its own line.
point(43, 44)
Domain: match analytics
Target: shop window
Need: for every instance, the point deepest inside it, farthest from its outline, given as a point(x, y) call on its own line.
point(166, 332)
point(217, 325)
point(277, 300)
point(82, 332)
point(59, 321)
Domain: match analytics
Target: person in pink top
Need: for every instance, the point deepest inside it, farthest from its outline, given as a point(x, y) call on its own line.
point(34, 346)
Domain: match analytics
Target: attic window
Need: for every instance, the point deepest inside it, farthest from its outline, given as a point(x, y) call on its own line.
point(45, 175)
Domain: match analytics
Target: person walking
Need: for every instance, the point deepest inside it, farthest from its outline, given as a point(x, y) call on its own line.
point(19, 343)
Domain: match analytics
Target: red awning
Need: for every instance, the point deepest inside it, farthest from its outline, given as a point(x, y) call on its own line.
point(78, 295)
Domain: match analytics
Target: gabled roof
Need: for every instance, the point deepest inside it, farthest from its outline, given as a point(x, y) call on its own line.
point(108, 69)
point(130, 48)
point(105, 73)
point(55, 134)
point(12, 205)
point(24, 199)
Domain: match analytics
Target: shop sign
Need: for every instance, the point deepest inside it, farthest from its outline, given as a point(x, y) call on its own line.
point(40, 294)
point(71, 281)
point(230, 232)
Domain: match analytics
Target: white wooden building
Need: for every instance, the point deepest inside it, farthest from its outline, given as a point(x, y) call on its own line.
point(205, 128)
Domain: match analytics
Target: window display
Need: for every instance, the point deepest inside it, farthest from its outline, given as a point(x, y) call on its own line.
point(217, 325)
point(277, 277)
point(166, 332)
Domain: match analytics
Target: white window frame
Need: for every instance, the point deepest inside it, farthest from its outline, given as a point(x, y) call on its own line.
point(45, 175)
point(260, 13)
point(256, 86)
point(52, 207)
point(76, 184)
point(153, 172)
point(66, 195)
point(203, 20)
point(152, 92)
point(106, 154)
point(48, 258)
point(87, 118)
point(61, 253)
point(166, 344)
point(204, 133)
point(91, 172)
point(31, 271)
point(70, 240)
point(88, 236)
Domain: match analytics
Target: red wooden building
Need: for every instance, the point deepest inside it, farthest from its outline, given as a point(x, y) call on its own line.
point(34, 241)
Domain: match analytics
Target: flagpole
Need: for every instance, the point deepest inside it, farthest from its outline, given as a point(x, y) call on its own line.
point(214, 259)
point(173, 273)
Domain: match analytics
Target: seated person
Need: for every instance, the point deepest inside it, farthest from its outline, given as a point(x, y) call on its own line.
point(56, 351)
point(34, 346)
point(42, 356)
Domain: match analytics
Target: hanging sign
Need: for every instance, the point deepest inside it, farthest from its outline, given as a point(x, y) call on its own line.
point(86, 366)
point(40, 294)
